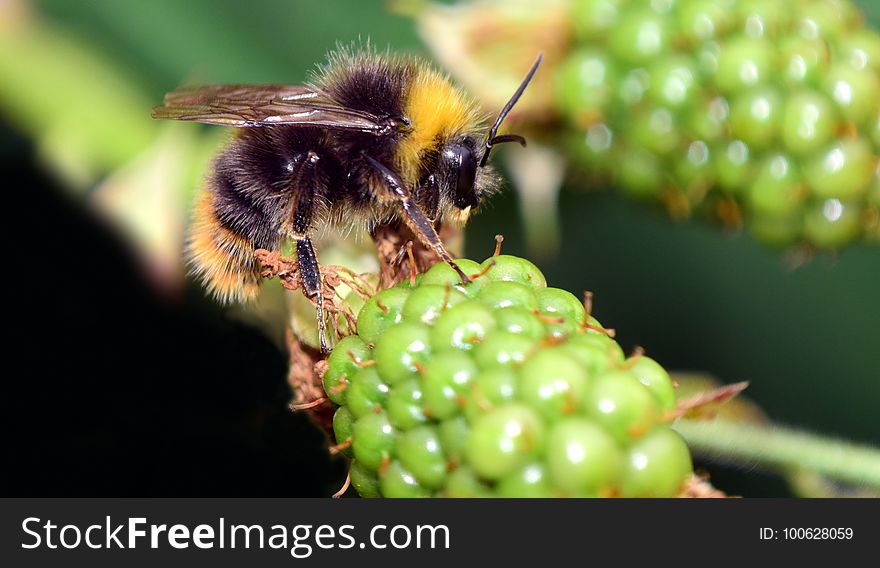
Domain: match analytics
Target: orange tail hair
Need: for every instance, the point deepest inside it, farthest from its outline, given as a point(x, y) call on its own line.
point(223, 260)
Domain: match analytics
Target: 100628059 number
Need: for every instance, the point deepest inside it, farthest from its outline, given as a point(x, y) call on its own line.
point(817, 533)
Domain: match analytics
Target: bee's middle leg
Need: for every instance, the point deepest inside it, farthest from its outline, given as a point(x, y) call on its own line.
point(301, 220)
point(310, 275)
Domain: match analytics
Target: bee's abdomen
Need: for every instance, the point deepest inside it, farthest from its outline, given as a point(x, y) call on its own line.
point(243, 209)
point(220, 257)
point(254, 214)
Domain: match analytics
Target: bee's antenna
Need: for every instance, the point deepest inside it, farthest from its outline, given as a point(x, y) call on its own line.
point(492, 139)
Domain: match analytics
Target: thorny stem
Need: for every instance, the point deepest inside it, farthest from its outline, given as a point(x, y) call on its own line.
point(782, 447)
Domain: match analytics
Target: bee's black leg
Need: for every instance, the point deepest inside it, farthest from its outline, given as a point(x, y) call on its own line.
point(424, 228)
point(310, 274)
point(301, 219)
point(415, 217)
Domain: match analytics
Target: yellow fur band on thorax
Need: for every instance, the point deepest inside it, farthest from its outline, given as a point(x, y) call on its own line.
point(437, 111)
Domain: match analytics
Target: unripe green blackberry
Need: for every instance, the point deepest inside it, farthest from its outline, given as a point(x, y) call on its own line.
point(511, 389)
point(758, 113)
point(763, 112)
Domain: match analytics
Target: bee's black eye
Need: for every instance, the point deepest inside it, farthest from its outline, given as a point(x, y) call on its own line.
point(461, 164)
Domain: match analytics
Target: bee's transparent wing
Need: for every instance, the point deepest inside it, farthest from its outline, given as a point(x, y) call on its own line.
point(265, 105)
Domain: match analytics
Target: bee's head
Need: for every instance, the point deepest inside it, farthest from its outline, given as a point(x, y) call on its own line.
point(458, 168)
point(459, 159)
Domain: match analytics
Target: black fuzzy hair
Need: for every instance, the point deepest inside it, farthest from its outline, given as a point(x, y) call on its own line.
point(366, 80)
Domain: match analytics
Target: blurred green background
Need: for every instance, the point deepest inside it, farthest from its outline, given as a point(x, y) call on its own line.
point(694, 297)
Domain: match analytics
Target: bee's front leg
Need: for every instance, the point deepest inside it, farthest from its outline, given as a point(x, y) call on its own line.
point(415, 217)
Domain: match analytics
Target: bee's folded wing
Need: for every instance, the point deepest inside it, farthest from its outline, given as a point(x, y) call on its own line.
point(265, 105)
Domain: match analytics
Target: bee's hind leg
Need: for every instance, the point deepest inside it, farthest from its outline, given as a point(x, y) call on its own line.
point(310, 275)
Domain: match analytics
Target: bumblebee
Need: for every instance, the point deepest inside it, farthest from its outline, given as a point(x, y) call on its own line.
point(372, 139)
